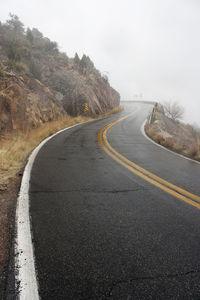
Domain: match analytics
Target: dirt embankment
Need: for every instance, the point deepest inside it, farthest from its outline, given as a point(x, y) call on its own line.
point(173, 134)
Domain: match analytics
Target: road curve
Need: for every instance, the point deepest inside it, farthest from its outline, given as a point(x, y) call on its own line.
point(102, 231)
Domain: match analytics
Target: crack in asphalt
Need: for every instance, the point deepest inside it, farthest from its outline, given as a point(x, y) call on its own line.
point(108, 294)
point(90, 191)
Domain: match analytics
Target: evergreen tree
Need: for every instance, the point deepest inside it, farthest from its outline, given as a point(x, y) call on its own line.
point(86, 64)
point(37, 34)
point(76, 59)
point(29, 35)
point(89, 63)
point(35, 70)
point(15, 24)
point(83, 63)
point(13, 53)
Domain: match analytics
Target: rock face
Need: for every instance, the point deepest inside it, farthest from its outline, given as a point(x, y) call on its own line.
point(38, 83)
point(98, 96)
point(79, 88)
point(26, 102)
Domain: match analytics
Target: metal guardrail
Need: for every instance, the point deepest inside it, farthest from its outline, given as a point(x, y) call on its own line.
point(150, 118)
point(137, 101)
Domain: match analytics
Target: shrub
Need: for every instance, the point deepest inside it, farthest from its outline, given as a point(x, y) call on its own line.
point(168, 142)
point(177, 147)
point(50, 46)
point(63, 56)
point(90, 79)
point(25, 52)
point(159, 139)
point(194, 149)
point(37, 54)
point(13, 53)
point(17, 66)
point(20, 67)
point(151, 132)
point(1, 73)
point(35, 70)
point(67, 83)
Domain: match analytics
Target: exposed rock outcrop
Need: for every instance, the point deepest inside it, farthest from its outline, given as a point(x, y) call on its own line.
point(38, 83)
point(26, 102)
point(173, 134)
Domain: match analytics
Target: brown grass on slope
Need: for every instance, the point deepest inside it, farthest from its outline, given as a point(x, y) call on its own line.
point(174, 143)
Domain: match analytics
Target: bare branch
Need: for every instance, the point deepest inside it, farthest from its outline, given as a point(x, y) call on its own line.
point(173, 110)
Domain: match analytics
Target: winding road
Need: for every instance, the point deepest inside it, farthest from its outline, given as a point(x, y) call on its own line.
point(113, 215)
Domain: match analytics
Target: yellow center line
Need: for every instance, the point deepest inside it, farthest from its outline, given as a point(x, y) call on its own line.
point(143, 173)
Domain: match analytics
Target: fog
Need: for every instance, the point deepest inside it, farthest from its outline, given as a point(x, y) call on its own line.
point(150, 49)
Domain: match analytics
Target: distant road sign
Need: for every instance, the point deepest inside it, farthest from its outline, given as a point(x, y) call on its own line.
point(86, 107)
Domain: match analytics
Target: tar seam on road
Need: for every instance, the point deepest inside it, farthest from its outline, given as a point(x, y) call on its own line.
point(164, 185)
point(25, 271)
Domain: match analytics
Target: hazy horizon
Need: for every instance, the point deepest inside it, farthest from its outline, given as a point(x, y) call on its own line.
point(148, 48)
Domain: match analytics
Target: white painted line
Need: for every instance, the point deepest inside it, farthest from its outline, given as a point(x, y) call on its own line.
point(175, 153)
point(26, 277)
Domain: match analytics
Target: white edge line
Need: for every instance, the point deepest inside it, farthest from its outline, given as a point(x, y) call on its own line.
point(177, 154)
point(25, 272)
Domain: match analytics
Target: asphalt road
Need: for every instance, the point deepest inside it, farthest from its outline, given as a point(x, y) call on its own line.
point(102, 232)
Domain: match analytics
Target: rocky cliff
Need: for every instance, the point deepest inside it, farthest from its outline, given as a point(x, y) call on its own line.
point(38, 83)
point(26, 102)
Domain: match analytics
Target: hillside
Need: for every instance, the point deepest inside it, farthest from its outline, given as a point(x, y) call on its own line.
point(42, 90)
point(173, 134)
point(38, 83)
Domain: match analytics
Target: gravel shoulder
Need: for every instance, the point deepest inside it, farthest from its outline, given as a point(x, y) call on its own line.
point(8, 200)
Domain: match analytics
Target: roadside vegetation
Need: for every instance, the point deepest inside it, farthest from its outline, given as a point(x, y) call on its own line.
point(165, 128)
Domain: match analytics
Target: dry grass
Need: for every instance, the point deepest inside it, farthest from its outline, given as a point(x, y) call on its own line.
point(177, 147)
point(151, 132)
point(16, 147)
point(192, 151)
point(112, 111)
point(168, 143)
point(159, 139)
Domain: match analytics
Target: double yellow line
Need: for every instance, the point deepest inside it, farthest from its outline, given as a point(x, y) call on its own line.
point(143, 173)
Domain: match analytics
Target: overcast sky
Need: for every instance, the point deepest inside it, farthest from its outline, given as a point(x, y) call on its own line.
point(149, 48)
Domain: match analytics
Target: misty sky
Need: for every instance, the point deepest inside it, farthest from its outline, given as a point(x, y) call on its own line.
point(149, 49)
